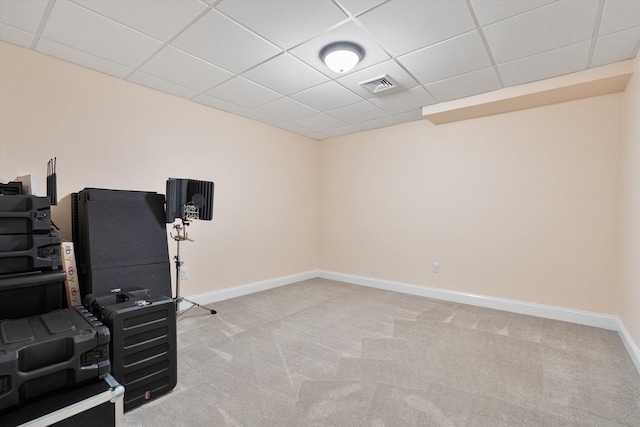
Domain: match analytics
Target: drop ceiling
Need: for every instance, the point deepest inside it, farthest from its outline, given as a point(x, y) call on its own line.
point(260, 58)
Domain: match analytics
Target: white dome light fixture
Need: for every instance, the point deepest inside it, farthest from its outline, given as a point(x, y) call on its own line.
point(341, 57)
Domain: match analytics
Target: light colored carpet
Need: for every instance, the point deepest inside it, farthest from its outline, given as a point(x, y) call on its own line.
point(324, 353)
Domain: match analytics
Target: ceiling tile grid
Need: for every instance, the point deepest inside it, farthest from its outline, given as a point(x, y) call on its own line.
point(260, 58)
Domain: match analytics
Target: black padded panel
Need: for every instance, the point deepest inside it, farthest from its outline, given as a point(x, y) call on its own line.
point(154, 277)
point(122, 241)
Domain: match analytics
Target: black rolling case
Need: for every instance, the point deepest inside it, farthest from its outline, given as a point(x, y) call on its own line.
point(143, 342)
point(40, 354)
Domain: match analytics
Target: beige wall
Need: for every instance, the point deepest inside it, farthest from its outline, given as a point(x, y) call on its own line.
point(108, 133)
point(522, 205)
point(630, 272)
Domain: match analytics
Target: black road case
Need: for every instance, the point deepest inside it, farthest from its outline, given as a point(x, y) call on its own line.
point(24, 214)
point(21, 253)
point(96, 404)
point(143, 342)
point(30, 294)
point(44, 353)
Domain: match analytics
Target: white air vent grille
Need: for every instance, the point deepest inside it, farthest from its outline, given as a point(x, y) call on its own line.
point(379, 84)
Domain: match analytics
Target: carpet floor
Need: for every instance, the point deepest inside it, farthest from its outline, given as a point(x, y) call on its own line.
point(325, 353)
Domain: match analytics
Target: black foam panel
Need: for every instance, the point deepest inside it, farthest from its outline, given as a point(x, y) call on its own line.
point(181, 192)
point(122, 241)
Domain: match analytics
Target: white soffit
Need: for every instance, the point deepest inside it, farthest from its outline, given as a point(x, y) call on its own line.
point(584, 84)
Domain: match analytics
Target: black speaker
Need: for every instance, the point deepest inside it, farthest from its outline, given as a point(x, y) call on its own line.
point(183, 194)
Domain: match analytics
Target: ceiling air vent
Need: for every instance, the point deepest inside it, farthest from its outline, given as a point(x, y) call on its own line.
point(379, 84)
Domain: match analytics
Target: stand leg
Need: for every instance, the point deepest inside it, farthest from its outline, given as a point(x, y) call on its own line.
point(178, 299)
point(193, 304)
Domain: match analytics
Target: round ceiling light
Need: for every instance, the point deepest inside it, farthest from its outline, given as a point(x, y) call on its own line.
point(341, 57)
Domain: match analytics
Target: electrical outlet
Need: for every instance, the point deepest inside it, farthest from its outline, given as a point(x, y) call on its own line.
point(309, 254)
point(184, 273)
point(436, 267)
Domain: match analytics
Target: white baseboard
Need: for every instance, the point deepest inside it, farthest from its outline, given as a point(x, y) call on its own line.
point(630, 345)
point(532, 309)
point(545, 311)
point(250, 288)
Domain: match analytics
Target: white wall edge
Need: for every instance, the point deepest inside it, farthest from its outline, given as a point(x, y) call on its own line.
point(539, 310)
point(630, 345)
point(249, 288)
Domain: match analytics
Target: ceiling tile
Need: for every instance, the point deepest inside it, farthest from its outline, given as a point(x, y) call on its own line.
point(473, 83)
point(244, 92)
point(542, 29)
point(25, 15)
point(356, 7)
point(79, 28)
point(286, 109)
point(360, 112)
point(391, 68)
point(616, 47)
point(79, 57)
point(549, 64)
point(286, 23)
point(184, 69)
point(401, 102)
point(455, 56)
point(294, 128)
point(16, 35)
point(261, 117)
point(319, 122)
point(218, 40)
point(327, 96)
point(619, 15)
point(220, 104)
point(378, 123)
point(285, 74)
point(309, 52)
point(404, 26)
point(159, 19)
point(162, 85)
point(342, 130)
point(489, 11)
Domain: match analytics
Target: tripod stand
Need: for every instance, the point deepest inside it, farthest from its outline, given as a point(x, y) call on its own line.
point(180, 236)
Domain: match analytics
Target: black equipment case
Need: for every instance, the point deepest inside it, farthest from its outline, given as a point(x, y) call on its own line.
point(43, 353)
point(30, 294)
point(143, 342)
point(24, 214)
point(21, 253)
point(95, 404)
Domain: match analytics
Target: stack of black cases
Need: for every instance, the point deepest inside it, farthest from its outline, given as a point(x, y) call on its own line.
point(31, 276)
point(143, 341)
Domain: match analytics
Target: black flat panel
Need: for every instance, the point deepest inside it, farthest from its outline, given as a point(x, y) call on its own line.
point(155, 277)
point(121, 240)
